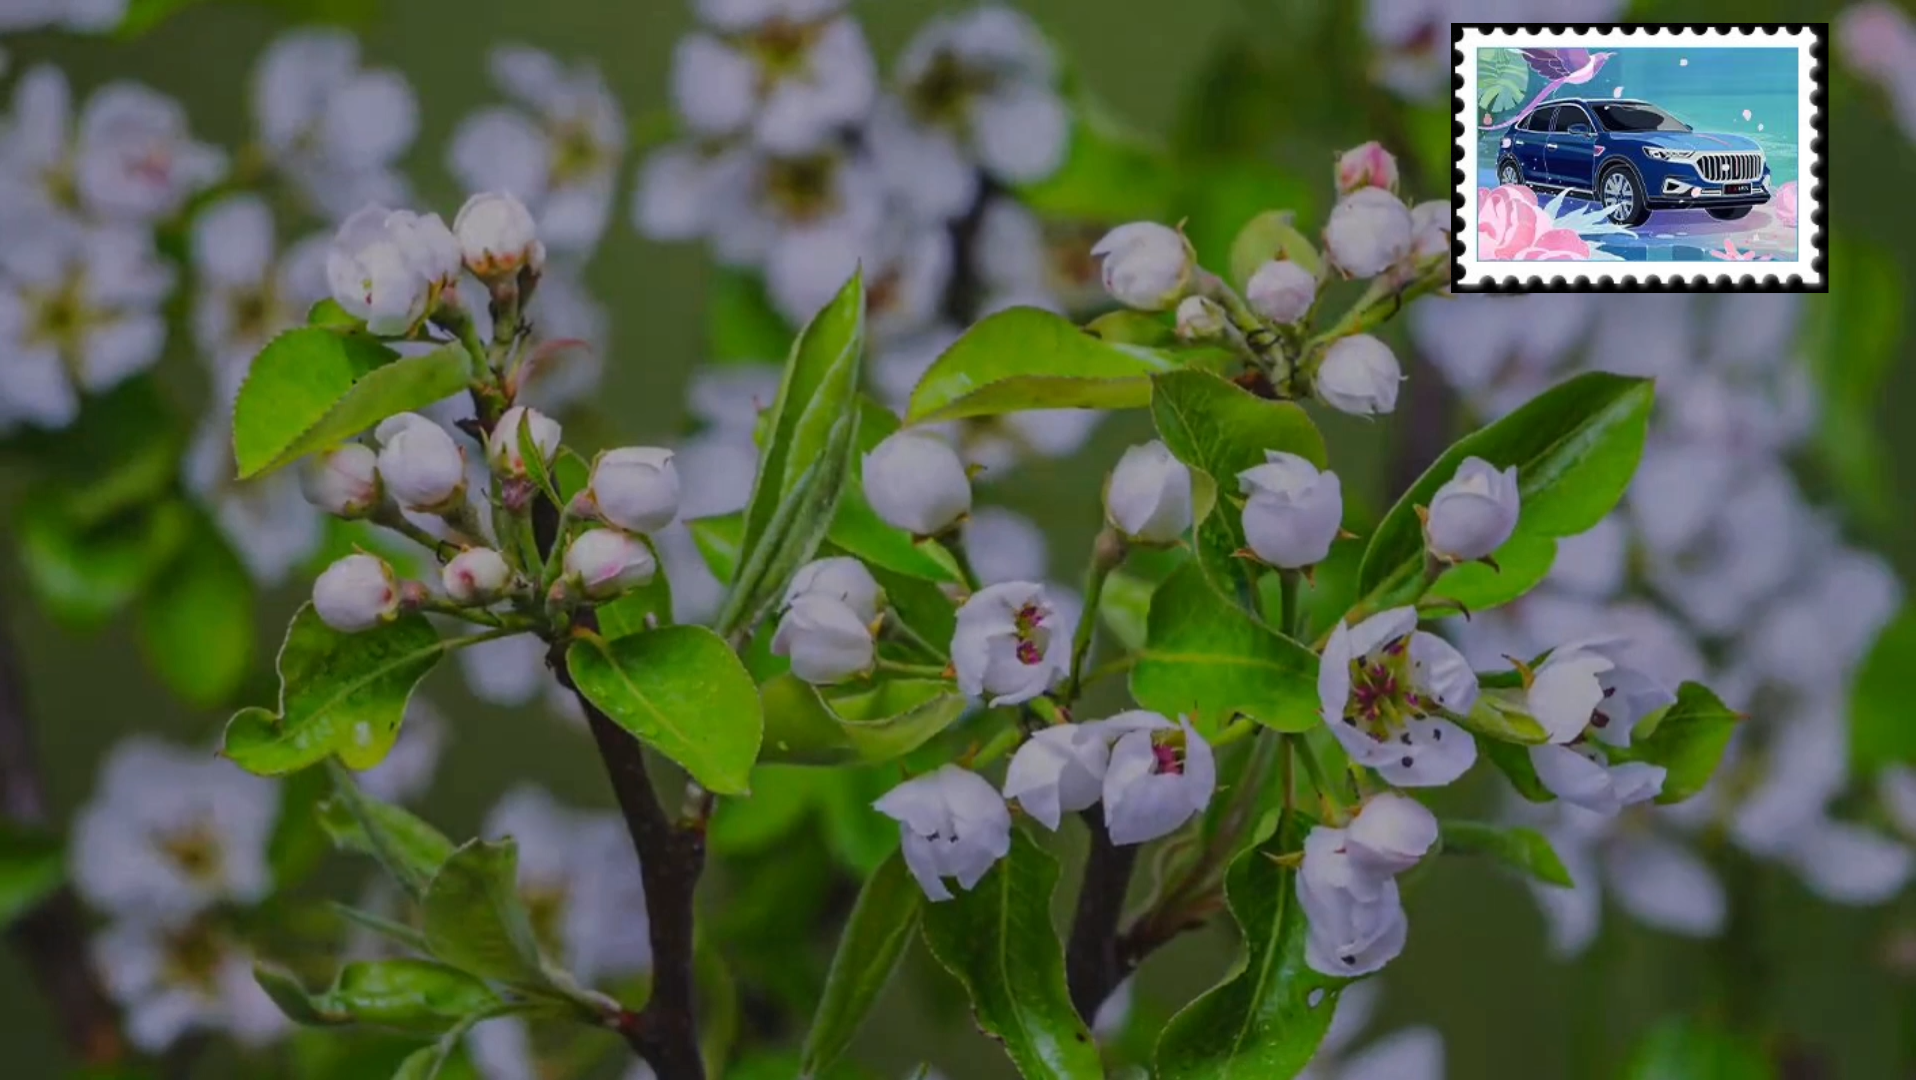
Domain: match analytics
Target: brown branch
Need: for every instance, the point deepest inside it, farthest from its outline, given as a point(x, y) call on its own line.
point(671, 857)
point(50, 938)
point(1095, 959)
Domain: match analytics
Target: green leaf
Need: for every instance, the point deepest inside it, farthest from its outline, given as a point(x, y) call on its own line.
point(872, 725)
point(1272, 234)
point(408, 995)
point(474, 919)
point(810, 439)
point(683, 692)
point(1689, 1050)
point(1525, 850)
point(1502, 77)
point(1125, 608)
point(32, 866)
point(880, 926)
point(411, 849)
point(1880, 731)
point(313, 388)
point(1207, 657)
point(1575, 448)
point(998, 941)
point(743, 326)
point(1513, 761)
point(718, 540)
point(1224, 429)
point(84, 575)
point(397, 932)
point(1026, 358)
point(341, 694)
point(1265, 1019)
point(1853, 347)
point(196, 621)
point(328, 314)
point(1499, 715)
point(1688, 739)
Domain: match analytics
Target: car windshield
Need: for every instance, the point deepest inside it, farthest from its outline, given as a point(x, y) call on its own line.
point(1639, 118)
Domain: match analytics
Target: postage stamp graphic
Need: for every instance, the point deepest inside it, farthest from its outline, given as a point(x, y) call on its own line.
point(1647, 155)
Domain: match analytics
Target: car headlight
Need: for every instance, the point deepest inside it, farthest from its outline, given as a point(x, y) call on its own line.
point(1661, 154)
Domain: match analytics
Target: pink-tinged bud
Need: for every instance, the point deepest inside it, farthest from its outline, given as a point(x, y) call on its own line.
point(497, 237)
point(1369, 165)
point(476, 576)
point(343, 482)
point(635, 488)
point(422, 466)
point(502, 450)
point(356, 593)
point(1281, 291)
point(607, 562)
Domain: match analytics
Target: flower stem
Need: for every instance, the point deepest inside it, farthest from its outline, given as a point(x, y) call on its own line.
point(1107, 554)
point(390, 516)
point(954, 541)
point(901, 630)
point(916, 671)
point(1291, 582)
point(1334, 807)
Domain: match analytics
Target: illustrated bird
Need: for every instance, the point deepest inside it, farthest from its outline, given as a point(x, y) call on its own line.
point(1563, 67)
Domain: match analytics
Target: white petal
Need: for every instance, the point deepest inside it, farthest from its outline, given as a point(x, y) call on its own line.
point(1021, 135)
point(1665, 885)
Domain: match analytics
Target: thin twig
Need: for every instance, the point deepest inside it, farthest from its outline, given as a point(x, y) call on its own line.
point(671, 857)
point(50, 937)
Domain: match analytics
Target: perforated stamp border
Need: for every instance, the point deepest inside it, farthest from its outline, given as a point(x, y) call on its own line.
point(1804, 274)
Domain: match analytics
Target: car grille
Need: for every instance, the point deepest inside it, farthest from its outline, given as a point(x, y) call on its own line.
point(1723, 168)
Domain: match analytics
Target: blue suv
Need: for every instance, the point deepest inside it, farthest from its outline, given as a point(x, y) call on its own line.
point(1635, 158)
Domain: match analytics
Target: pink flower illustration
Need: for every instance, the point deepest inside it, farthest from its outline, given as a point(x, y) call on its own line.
point(1511, 226)
point(1731, 254)
point(1783, 204)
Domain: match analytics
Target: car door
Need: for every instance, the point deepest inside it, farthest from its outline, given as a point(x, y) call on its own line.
point(1527, 144)
point(1572, 149)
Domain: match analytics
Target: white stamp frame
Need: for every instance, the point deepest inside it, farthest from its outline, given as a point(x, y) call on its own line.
point(1804, 273)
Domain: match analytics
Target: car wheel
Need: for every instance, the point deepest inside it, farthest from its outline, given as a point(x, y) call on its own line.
point(1508, 173)
point(1729, 213)
point(1622, 197)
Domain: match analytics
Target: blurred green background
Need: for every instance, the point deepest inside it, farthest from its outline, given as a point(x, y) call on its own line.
point(1476, 966)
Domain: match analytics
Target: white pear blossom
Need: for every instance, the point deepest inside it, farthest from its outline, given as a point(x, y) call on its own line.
point(503, 450)
point(1368, 165)
point(1008, 647)
point(247, 291)
point(843, 579)
point(1359, 375)
point(423, 468)
point(1149, 495)
point(1147, 266)
point(1281, 291)
point(343, 482)
point(789, 84)
point(388, 267)
point(1589, 684)
point(1160, 776)
point(1004, 545)
point(172, 831)
point(1580, 775)
point(1430, 225)
point(825, 639)
point(1292, 511)
point(83, 16)
point(1059, 770)
point(1473, 513)
point(1356, 919)
point(333, 127)
point(916, 483)
point(607, 562)
point(1199, 318)
point(1390, 834)
point(1383, 686)
point(907, 268)
point(635, 488)
point(358, 592)
point(953, 823)
point(476, 576)
point(556, 149)
point(982, 86)
point(1369, 231)
point(79, 313)
point(497, 237)
point(579, 881)
point(175, 976)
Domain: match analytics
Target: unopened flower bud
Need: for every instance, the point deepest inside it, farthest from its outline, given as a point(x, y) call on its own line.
point(607, 562)
point(476, 576)
point(1430, 224)
point(343, 481)
point(1281, 291)
point(428, 245)
point(1293, 511)
point(825, 639)
point(1147, 266)
point(1359, 376)
point(371, 276)
point(1391, 833)
point(636, 488)
point(1369, 231)
point(1369, 165)
point(842, 578)
point(497, 236)
point(1149, 497)
point(502, 450)
point(916, 483)
point(422, 466)
point(1474, 513)
point(1199, 318)
point(356, 593)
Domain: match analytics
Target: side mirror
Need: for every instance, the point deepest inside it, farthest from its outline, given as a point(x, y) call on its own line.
point(1579, 129)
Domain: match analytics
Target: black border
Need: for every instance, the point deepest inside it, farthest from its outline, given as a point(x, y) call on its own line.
point(1819, 170)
